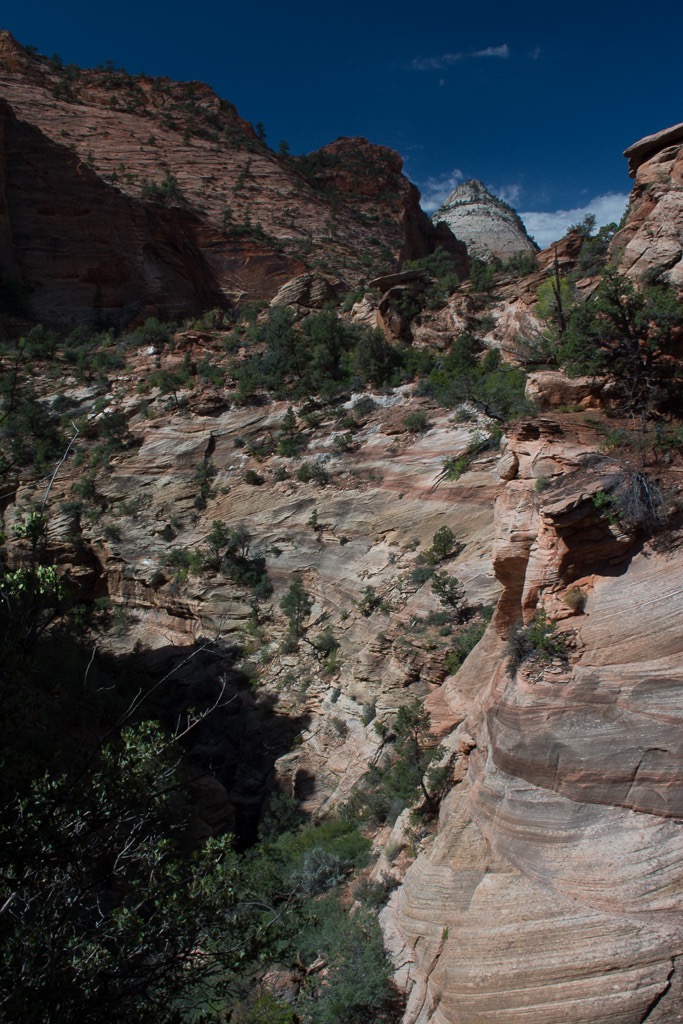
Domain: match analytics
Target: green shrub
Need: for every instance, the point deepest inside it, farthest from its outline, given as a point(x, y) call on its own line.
point(326, 642)
point(253, 478)
point(454, 466)
point(483, 275)
point(539, 639)
point(184, 563)
point(607, 503)
point(463, 644)
point(520, 264)
point(364, 406)
point(369, 712)
point(444, 545)
point(375, 894)
point(203, 475)
point(339, 726)
point(264, 1010)
point(634, 502)
point(450, 592)
point(369, 601)
point(312, 471)
point(356, 988)
point(421, 574)
point(412, 772)
point(416, 422)
point(344, 443)
point(157, 579)
point(167, 192)
point(630, 336)
point(575, 598)
point(153, 332)
point(296, 604)
point(321, 869)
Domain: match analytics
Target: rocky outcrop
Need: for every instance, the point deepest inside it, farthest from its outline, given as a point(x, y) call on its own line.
point(553, 887)
point(486, 224)
point(380, 508)
point(649, 248)
point(643, 150)
point(373, 177)
point(164, 184)
point(551, 890)
point(311, 291)
point(92, 255)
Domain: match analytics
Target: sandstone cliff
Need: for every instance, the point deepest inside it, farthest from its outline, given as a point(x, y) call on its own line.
point(489, 226)
point(553, 888)
point(144, 194)
point(649, 247)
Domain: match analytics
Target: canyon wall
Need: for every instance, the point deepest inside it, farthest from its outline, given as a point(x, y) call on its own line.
point(552, 890)
point(122, 194)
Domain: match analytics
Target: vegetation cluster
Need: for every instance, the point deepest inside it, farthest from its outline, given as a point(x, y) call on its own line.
point(109, 904)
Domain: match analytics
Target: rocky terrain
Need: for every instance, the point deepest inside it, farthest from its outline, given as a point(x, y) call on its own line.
point(549, 888)
point(558, 855)
point(122, 196)
point(648, 247)
point(488, 226)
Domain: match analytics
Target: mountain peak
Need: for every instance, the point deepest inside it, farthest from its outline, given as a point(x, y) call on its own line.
point(489, 226)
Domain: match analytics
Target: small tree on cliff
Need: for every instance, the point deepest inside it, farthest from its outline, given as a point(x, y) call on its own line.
point(296, 604)
point(630, 336)
point(417, 771)
point(417, 751)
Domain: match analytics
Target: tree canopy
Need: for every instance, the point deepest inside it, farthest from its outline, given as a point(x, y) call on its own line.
point(630, 336)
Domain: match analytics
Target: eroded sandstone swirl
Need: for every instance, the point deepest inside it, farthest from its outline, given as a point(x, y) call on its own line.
point(552, 891)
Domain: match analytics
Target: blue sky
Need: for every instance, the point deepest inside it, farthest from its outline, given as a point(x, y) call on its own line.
point(536, 100)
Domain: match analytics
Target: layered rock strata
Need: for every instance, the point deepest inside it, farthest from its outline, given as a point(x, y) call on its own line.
point(553, 889)
point(649, 248)
point(488, 225)
point(121, 195)
point(365, 528)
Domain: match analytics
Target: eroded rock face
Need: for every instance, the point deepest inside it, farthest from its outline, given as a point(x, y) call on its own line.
point(553, 888)
point(154, 193)
point(488, 226)
point(91, 254)
point(311, 291)
point(379, 510)
point(649, 248)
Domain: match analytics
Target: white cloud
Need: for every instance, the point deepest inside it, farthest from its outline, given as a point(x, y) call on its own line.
point(493, 51)
point(435, 190)
point(547, 228)
point(510, 194)
point(446, 60)
point(436, 63)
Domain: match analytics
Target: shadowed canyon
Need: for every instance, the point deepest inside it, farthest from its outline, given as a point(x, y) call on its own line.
point(290, 459)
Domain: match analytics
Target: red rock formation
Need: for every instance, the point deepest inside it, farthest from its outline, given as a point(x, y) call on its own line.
point(649, 247)
point(144, 194)
point(552, 891)
point(372, 177)
point(87, 252)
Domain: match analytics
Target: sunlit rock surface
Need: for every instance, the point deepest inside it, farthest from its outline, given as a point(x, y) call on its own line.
point(489, 226)
point(649, 248)
point(553, 888)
